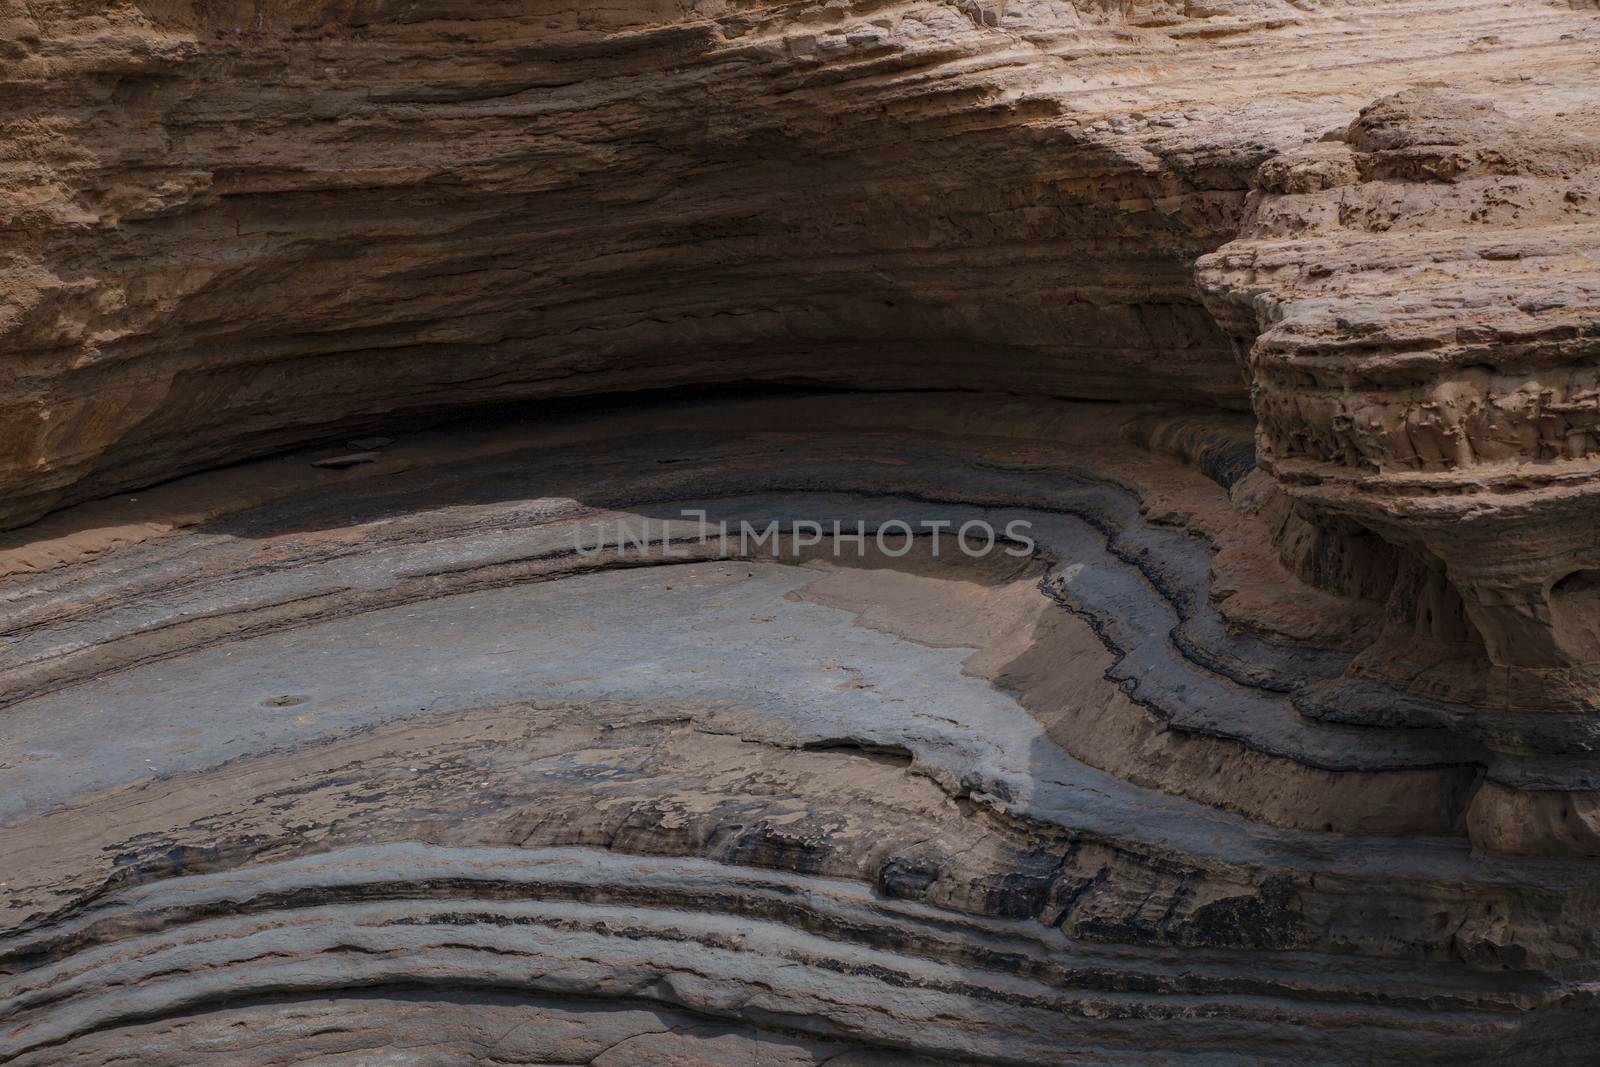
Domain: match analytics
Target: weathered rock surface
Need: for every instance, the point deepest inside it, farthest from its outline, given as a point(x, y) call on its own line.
point(1275, 741)
point(419, 737)
point(449, 202)
point(1427, 292)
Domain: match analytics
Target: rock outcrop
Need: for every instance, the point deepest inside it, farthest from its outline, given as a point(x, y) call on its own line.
point(498, 727)
point(1421, 299)
point(504, 201)
point(459, 730)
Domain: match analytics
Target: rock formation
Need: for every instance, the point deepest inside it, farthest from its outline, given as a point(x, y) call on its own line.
point(365, 696)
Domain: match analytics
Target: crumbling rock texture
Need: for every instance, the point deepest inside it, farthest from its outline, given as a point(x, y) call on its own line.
point(507, 200)
point(1276, 741)
point(1426, 289)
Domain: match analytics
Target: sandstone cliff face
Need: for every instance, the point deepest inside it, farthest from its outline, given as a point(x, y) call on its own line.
point(1427, 339)
point(1245, 756)
point(454, 202)
point(438, 204)
point(1420, 298)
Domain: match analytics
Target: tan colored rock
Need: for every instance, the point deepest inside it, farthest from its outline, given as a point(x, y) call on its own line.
point(1286, 750)
point(1427, 334)
point(464, 203)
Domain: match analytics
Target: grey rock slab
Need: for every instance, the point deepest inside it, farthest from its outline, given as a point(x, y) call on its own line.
point(721, 637)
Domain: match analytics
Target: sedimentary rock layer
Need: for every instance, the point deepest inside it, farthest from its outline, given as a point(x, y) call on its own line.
point(1263, 735)
point(1427, 288)
point(426, 738)
point(229, 228)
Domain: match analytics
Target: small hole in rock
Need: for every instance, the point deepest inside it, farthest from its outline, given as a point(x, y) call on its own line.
point(1578, 582)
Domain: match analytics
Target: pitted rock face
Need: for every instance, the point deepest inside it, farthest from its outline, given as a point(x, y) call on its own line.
point(1428, 363)
point(1276, 325)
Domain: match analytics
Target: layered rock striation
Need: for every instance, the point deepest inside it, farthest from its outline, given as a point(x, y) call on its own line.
point(498, 727)
point(453, 736)
point(1420, 296)
point(508, 201)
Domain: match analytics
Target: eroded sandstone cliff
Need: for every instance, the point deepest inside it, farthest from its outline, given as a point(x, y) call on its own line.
point(439, 203)
point(1282, 740)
